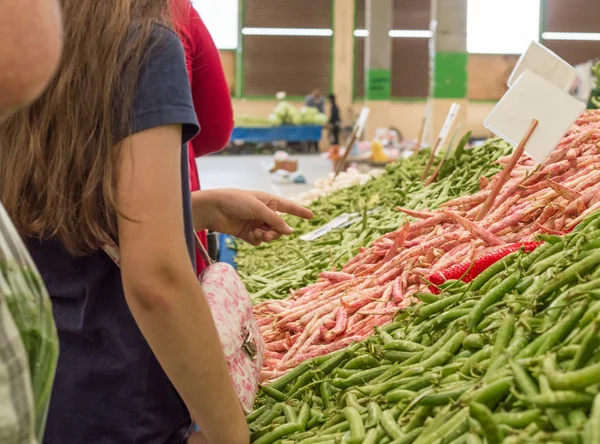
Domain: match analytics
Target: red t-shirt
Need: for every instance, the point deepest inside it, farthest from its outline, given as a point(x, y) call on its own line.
point(210, 92)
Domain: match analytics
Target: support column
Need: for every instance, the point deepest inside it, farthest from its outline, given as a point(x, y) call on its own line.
point(343, 55)
point(449, 60)
point(378, 63)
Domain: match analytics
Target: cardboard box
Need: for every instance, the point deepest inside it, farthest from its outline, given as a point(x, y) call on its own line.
point(287, 165)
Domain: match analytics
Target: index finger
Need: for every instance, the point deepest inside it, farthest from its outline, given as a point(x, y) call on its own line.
point(294, 209)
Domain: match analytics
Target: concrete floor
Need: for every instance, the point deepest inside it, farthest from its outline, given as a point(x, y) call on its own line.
point(252, 173)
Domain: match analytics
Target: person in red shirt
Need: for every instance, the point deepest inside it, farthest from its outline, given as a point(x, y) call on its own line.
point(210, 92)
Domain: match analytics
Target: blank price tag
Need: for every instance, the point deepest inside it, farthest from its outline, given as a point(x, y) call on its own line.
point(450, 118)
point(362, 121)
point(532, 97)
point(545, 63)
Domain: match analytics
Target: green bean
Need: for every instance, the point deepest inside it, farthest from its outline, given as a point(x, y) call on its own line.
point(375, 413)
point(389, 328)
point(418, 419)
point(577, 417)
point(427, 298)
point(481, 355)
point(373, 436)
point(397, 356)
point(316, 418)
point(431, 435)
point(443, 397)
point(343, 373)
point(409, 437)
point(589, 344)
point(290, 413)
point(490, 394)
point(474, 341)
point(449, 316)
point(591, 432)
point(562, 329)
point(490, 298)
point(333, 421)
point(335, 360)
point(536, 254)
point(518, 420)
point(357, 428)
point(362, 362)
point(570, 274)
point(561, 399)
point(325, 391)
point(492, 271)
point(301, 382)
point(352, 401)
point(272, 412)
point(278, 432)
point(399, 394)
point(473, 438)
point(331, 438)
point(255, 414)
point(505, 334)
point(384, 336)
point(484, 417)
point(524, 284)
point(360, 377)
point(439, 306)
point(523, 380)
point(403, 346)
point(273, 393)
point(573, 380)
point(389, 424)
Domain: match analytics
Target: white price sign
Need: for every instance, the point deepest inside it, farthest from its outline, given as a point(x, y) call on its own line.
point(532, 97)
point(546, 64)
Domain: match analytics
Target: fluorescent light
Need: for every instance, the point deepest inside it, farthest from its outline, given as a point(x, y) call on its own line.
point(300, 32)
point(581, 36)
point(399, 33)
point(410, 34)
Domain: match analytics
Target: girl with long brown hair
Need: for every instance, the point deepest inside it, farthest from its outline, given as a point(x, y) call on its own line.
point(102, 152)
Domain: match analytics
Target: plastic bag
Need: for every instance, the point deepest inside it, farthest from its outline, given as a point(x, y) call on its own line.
point(23, 291)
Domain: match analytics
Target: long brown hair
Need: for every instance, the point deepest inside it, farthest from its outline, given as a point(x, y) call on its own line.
point(59, 157)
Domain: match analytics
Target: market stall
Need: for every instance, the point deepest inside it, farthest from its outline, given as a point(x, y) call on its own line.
point(303, 137)
point(417, 323)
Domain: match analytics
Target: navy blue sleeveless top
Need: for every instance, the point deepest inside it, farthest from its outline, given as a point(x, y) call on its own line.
point(109, 386)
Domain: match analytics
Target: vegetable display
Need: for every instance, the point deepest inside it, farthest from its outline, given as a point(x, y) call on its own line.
point(272, 270)
point(513, 356)
point(25, 294)
point(343, 307)
point(287, 114)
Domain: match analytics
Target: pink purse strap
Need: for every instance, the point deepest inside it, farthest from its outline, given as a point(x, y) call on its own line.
point(112, 250)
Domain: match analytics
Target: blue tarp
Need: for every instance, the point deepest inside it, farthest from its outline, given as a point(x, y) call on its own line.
point(226, 254)
point(277, 134)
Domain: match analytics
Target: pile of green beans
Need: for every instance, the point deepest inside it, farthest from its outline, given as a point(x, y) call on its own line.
point(513, 356)
point(271, 270)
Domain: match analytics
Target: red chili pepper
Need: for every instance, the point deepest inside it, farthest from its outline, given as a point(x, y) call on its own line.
point(467, 271)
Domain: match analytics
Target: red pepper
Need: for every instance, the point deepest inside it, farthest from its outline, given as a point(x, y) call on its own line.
point(467, 271)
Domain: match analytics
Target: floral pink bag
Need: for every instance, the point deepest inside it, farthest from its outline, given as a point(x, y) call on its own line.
point(231, 307)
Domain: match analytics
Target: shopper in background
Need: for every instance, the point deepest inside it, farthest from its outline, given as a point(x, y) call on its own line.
point(210, 92)
point(316, 100)
point(102, 152)
point(334, 121)
point(27, 59)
